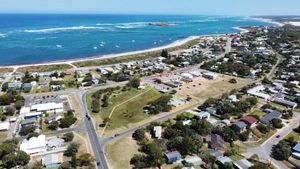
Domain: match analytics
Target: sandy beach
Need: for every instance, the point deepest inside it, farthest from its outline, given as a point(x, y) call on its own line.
point(269, 21)
point(293, 23)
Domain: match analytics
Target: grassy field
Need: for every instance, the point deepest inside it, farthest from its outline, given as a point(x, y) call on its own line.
point(126, 112)
point(257, 113)
point(295, 135)
point(127, 58)
point(236, 157)
point(44, 68)
point(120, 151)
point(204, 88)
point(6, 70)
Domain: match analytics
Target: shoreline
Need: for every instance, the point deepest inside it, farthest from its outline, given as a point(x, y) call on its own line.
point(269, 21)
point(116, 55)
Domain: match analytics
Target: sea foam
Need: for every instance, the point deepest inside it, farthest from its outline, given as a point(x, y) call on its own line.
point(63, 29)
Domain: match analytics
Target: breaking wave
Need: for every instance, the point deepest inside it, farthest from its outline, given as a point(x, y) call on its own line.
point(63, 29)
point(2, 35)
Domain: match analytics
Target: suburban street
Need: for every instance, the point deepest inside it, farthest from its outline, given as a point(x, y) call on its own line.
point(265, 149)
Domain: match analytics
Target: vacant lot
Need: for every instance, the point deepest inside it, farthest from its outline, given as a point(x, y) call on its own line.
point(295, 135)
point(204, 88)
point(44, 68)
point(126, 108)
point(120, 151)
point(257, 113)
point(6, 70)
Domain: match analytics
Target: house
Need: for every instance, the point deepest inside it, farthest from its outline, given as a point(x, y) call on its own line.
point(28, 122)
point(187, 122)
point(203, 115)
point(233, 98)
point(243, 164)
point(187, 168)
point(215, 142)
point(173, 157)
point(187, 77)
point(284, 102)
point(51, 160)
point(297, 148)
point(53, 117)
point(266, 119)
point(27, 87)
point(55, 142)
point(157, 131)
point(211, 110)
point(222, 160)
point(34, 145)
point(258, 92)
point(33, 115)
point(4, 126)
point(239, 126)
point(16, 85)
point(249, 120)
point(195, 160)
point(216, 153)
point(210, 75)
point(226, 122)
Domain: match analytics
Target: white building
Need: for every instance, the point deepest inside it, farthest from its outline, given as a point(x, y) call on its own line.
point(56, 107)
point(157, 131)
point(187, 77)
point(210, 75)
point(258, 92)
point(34, 145)
point(4, 126)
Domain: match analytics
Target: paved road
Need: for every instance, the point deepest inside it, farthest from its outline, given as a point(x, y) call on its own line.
point(274, 68)
point(95, 143)
point(265, 149)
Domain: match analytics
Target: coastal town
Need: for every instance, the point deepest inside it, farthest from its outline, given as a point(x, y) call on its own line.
point(216, 101)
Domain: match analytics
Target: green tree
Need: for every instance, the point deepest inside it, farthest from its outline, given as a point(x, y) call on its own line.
point(134, 82)
point(154, 155)
point(277, 123)
point(68, 136)
point(139, 135)
point(26, 130)
point(228, 165)
point(72, 149)
point(33, 134)
point(65, 165)
point(165, 54)
point(203, 127)
point(263, 129)
point(160, 105)
point(139, 161)
point(282, 151)
point(260, 165)
point(85, 159)
point(53, 125)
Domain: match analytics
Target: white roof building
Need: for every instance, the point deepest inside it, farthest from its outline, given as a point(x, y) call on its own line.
point(195, 160)
point(257, 91)
point(4, 126)
point(157, 131)
point(34, 145)
point(24, 110)
point(58, 107)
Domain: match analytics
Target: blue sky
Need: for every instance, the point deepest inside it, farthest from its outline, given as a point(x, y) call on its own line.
point(209, 7)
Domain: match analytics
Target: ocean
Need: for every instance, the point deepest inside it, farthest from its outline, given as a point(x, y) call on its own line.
point(41, 38)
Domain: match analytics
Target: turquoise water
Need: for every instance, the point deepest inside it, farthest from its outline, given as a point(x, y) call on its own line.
point(28, 39)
